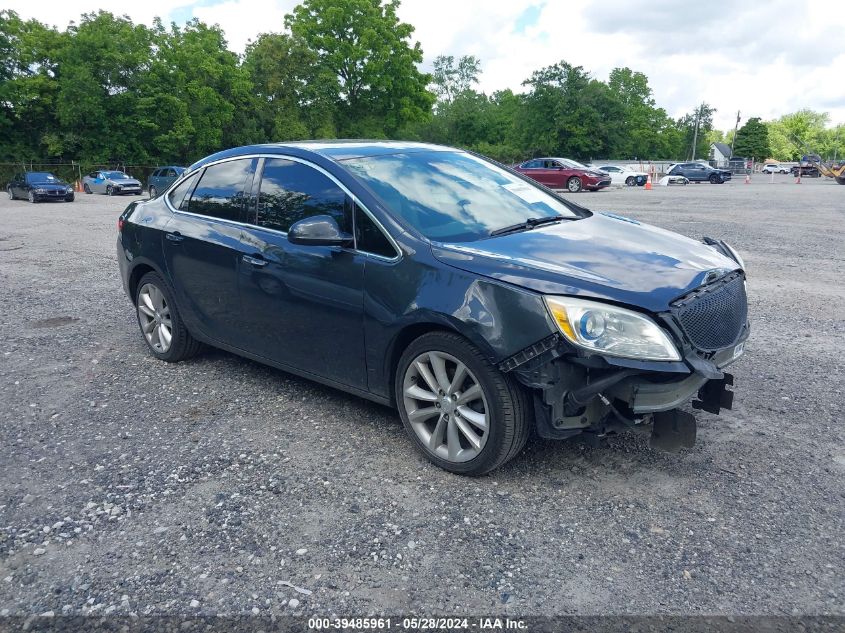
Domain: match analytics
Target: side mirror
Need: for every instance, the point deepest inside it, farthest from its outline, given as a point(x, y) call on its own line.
point(318, 230)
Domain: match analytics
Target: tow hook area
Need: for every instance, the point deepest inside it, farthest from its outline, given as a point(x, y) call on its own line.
point(673, 430)
point(715, 396)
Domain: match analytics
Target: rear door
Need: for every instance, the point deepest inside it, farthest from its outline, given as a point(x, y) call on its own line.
point(202, 246)
point(302, 305)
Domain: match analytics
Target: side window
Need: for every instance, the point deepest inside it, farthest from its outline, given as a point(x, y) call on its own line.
point(291, 191)
point(369, 238)
point(155, 173)
point(177, 195)
point(532, 164)
point(220, 190)
point(169, 173)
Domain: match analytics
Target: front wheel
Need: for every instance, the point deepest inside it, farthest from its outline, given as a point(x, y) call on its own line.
point(69, 198)
point(840, 180)
point(574, 184)
point(86, 188)
point(161, 324)
point(630, 181)
point(714, 179)
point(109, 191)
point(460, 411)
point(11, 193)
point(31, 197)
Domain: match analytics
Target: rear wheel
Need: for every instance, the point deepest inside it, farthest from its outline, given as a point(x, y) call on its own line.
point(574, 184)
point(160, 322)
point(630, 181)
point(460, 411)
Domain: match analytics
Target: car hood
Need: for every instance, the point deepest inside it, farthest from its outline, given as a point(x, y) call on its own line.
point(603, 256)
point(49, 185)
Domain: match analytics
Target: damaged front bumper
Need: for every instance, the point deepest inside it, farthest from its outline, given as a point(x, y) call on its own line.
point(594, 396)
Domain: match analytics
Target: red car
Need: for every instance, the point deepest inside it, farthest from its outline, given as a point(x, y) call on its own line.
point(562, 173)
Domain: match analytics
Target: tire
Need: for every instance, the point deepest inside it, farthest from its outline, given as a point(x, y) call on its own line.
point(840, 180)
point(109, 190)
point(11, 195)
point(506, 406)
point(31, 197)
point(574, 184)
point(153, 193)
point(714, 179)
point(182, 345)
point(86, 188)
point(70, 198)
point(630, 181)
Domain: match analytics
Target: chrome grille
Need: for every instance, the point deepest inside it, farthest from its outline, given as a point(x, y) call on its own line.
point(713, 316)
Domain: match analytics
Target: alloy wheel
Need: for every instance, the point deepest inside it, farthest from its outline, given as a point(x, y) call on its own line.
point(446, 406)
point(109, 190)
point(11, 195)
point(31, 197)
point(574, 184)
point(154, 317)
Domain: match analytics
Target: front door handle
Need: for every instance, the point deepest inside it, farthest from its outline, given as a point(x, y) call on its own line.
point(175, 237)
point(255, 261)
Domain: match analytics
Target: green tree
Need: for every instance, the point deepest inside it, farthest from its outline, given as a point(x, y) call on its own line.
point(702, 118)
point(752, 140)
point(451, 79)
point(28, 88)
point(366, 47)
point(294, 90)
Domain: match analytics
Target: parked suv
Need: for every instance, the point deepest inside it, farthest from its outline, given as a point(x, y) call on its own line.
point(162, 178)
point(774, 168)
point(562, 173)
point(479, 303)
point(699, 172)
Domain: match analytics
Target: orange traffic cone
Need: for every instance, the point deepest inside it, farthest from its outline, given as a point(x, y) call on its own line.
point(798, 180)
point(747, 179)
point(648, 182)
point(77, 187)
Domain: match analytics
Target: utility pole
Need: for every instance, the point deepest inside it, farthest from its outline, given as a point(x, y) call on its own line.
point(733, 140)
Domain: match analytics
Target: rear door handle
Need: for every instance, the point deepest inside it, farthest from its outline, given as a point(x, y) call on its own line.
point(255, 261)
point(175, 237)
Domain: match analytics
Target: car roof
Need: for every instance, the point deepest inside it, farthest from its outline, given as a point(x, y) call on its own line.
point(333, 150)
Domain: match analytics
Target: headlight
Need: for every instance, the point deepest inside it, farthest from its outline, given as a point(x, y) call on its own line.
point(612, 331)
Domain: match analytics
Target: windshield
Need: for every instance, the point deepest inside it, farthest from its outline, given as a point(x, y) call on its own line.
point(115, 175)
point(41, 176)
point(453, 196)
point(572, 163)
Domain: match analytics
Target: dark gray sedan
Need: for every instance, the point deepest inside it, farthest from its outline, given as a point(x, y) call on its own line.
point(111, 183)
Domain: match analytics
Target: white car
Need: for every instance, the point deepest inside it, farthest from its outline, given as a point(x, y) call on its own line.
point(772, 168)
point(623, 174)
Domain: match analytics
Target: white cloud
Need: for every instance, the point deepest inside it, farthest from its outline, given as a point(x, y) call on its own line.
point(765, 59)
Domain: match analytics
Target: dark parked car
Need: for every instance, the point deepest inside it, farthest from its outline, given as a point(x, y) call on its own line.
point(562, 173)
point(36, 186)
point(699, 172)
point(162, 178)
point(477, 302)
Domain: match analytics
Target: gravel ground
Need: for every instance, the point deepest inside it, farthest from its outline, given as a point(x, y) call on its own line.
point(220, 486)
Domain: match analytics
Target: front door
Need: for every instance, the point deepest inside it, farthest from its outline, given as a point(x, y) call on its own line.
point(202, 246)
point(302, 305)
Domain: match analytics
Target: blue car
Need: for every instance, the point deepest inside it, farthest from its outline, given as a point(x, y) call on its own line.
point(162, 178)
point(479, 303)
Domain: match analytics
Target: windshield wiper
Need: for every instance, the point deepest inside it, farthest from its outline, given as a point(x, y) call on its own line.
point(529, 224)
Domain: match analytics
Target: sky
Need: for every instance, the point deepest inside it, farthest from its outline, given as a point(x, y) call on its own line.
point(764, 59)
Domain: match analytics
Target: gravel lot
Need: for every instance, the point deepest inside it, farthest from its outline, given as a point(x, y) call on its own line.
point(218, 485)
